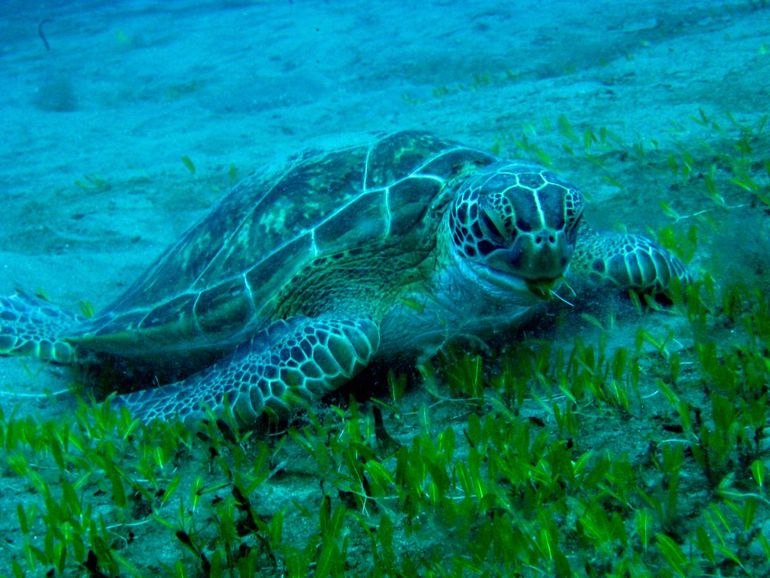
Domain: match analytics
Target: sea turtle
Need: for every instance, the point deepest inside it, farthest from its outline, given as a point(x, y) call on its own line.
point(297, 280)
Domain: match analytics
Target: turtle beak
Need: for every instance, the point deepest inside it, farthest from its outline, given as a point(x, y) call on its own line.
point(544, 288)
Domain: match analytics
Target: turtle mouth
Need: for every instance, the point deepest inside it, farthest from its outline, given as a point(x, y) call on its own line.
point(543, 288)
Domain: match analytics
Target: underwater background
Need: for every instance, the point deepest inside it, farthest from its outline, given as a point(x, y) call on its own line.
point(604, 439)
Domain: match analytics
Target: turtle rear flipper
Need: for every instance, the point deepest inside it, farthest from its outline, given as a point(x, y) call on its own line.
point(282, 368)
point(32, 326)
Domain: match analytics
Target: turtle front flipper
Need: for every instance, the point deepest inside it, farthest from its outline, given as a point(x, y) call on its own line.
point(32, 326)
point(281, 369)
point(626, 261)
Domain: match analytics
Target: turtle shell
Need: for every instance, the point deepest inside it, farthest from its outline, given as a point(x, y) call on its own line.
point(335, 230)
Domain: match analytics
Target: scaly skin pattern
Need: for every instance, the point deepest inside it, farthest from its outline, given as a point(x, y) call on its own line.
point(33, 327)
point(281, 368)
point(626, 261)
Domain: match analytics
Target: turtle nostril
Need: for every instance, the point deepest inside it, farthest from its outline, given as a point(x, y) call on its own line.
point(545, 238)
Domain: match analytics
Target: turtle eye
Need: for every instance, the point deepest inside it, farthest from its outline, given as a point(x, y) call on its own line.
point(573, 209)
point(491, 230)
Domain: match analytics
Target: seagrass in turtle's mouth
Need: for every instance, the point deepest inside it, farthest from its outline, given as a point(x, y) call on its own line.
point(543, 288)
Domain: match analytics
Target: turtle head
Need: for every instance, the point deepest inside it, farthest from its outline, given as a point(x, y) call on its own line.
point(515, 225)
